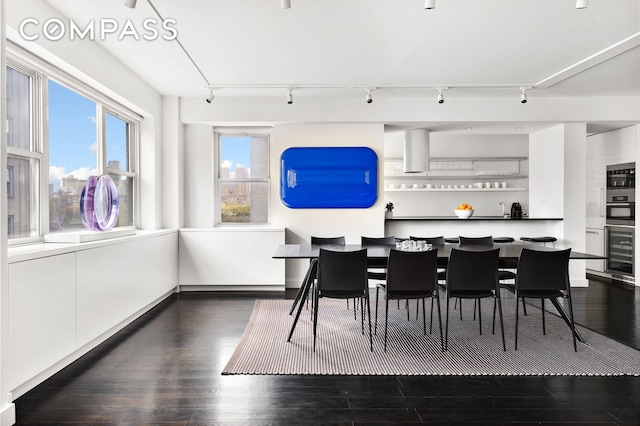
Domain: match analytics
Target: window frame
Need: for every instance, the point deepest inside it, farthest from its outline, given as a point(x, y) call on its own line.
point(218, 133)
point(36, 152)
point(42, 71)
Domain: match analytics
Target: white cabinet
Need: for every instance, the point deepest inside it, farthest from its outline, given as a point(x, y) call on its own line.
point(596, 181)
point(621, 145)
point(595, 246)
point(64, 300)
point(114, 282)
point(459, 174)
point(224, 258)
point(42, 315)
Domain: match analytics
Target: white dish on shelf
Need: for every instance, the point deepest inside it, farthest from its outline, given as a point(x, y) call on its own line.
point(463, 214)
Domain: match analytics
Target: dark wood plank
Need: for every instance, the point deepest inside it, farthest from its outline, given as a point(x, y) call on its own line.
point(165, 369)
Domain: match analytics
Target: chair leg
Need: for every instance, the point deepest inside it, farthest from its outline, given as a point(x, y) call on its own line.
point(369, 315)
point(362, 314)
point(375, 324)
point(504, 345)
point(417, 308)
point(544, 329)
point(460, 308)
point(476, 302)
point(573, 324)
point(493, 326)
point(431, 314)
point(516, 336)
point(315, 317)
point(386, 322)
point(524, 307)
point(439, 320)
point(424, 317)
point(446, 327)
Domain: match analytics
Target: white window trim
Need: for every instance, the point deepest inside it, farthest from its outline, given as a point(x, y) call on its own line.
point(218, 132)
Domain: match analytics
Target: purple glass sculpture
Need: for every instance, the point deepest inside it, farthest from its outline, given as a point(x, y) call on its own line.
point(99, 203)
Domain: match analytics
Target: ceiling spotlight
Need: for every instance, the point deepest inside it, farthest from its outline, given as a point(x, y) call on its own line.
point(369, 98)
point(523, 95)
point(582, 4)
point(130, 3)
point(211, 96)
point(290, 97)
point(440, 96)
point(285, 4)
point(429, 4)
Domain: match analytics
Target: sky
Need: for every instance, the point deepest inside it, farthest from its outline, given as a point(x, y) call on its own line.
point(72, 135)
point(235, 150)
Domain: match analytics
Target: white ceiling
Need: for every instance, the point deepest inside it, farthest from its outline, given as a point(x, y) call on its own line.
point(382, 43)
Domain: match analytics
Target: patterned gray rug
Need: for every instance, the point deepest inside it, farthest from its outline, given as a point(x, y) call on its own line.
point(343, 350)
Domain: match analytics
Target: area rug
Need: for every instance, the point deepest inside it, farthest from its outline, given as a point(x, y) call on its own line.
point(342, 349)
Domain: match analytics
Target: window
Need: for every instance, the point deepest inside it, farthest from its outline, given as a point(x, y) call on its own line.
point(54, 146)
point(243, 178)
point(86, 138)
point(24, 153)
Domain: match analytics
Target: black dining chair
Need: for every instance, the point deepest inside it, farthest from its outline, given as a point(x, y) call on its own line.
point(506, 277)
point(342, 275)
point(340, 241)
point(473, 274)
point(476, 241)
point(310, 276)
point(545, 275)
point(377, 267)
point(411, 275)
point(540, 240)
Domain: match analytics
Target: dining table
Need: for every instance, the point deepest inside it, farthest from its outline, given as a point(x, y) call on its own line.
point(508, 258)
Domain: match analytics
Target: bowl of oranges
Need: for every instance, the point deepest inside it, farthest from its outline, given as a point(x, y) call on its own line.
point(464, 211)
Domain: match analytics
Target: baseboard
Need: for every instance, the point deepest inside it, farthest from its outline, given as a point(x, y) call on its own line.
point(233, 288)
point(8, 415)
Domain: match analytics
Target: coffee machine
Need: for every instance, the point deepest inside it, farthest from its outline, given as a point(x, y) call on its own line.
point(516, 211)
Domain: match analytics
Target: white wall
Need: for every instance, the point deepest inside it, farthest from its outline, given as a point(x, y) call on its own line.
point(173, 163)
point(546, 172)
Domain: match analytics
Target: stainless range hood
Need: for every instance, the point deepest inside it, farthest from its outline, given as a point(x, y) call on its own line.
point(416, 151)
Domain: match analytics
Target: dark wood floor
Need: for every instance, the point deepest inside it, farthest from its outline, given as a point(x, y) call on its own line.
point(165, 369)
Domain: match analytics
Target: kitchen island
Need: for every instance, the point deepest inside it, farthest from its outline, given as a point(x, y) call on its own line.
point(475, 226)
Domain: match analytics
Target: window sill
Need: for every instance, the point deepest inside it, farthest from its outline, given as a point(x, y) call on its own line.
point(40, 250)
point(86, 236)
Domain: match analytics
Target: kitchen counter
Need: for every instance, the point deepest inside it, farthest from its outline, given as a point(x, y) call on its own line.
point(472, 218)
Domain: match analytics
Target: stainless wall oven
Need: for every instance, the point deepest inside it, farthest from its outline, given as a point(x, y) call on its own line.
point(620, 249)
point(621, 207)
point(621, 176)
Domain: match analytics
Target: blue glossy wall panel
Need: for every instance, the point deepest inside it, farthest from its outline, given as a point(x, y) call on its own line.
point(328, 177)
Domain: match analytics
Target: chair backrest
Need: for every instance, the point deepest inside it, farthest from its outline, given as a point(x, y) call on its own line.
point(473, 269)
point(412, 271)
point(342, 270)
point(543, 270)
point(434, 241)
point(328, 240)
point(476, 241)
point(381, 241)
